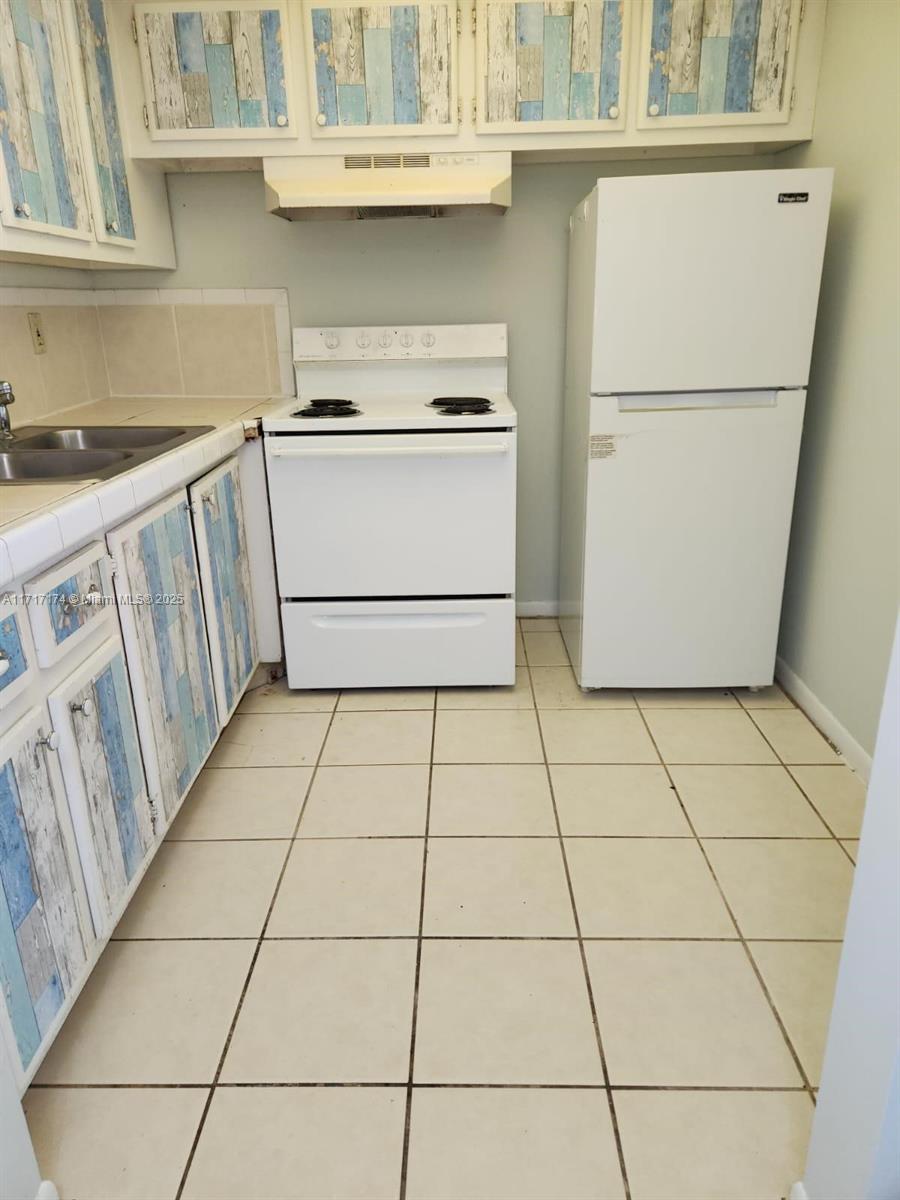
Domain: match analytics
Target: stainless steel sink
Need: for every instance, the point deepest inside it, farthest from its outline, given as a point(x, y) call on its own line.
point(100, 437)
point(29, 466)
point(41, 453)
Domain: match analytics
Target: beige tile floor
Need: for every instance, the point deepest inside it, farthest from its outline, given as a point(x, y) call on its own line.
point(480, 944)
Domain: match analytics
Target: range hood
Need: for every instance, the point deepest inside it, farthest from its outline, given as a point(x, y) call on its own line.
point(355, 187)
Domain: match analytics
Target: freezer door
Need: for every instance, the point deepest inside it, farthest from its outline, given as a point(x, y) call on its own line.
point(708, 281)
point(687, 525)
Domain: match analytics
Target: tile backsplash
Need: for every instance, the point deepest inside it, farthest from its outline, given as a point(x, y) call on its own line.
point(143, 342)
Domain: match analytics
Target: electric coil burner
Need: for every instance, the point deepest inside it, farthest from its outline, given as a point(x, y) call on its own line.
point(328, 406)
point(461, 405)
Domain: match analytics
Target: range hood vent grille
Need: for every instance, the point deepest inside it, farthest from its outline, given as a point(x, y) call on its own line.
point(367, 162)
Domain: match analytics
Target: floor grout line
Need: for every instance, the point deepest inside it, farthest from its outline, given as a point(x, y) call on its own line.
point(407, 1123)
point(781, 1025)
point(422, 1085)
point(250, 970)
point(584, 965)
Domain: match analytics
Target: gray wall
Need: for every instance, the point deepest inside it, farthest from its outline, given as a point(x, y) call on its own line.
point(510, 269)
point(842, 584)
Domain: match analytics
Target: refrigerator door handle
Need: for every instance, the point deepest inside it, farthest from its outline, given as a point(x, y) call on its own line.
point(673, 401)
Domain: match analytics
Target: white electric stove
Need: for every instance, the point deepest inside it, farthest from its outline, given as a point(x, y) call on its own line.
point(393, 492)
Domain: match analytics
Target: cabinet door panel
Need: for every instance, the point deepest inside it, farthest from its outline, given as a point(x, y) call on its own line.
point(213, 71)
point(225, 575)
point(112, 192)
point(551, 66)
point(104, 777)
point(67, 604)
point(718, 62)
point(385, 68)
point(17, 662)
point(45, 932)
point(44, 178)
point(165, 643)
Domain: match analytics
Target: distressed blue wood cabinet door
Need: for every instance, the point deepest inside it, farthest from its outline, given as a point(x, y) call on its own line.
point(17, 657)
point(166, 647)
point(104, 777)
point(713, 62)
point(555, 65)
point(46, 938)
point(384, 68)
point(44, 184)
point(116, 219)
point(213, 70)
point(225, 575)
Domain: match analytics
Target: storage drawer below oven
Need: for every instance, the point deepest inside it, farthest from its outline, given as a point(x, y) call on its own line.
point(406, 643)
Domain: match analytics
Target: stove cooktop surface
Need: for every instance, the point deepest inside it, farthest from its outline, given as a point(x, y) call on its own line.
point(409, 410)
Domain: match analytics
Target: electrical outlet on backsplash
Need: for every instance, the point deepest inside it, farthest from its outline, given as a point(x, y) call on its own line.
point(227, 342)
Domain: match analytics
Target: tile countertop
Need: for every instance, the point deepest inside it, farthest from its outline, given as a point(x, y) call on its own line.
point(40, 522)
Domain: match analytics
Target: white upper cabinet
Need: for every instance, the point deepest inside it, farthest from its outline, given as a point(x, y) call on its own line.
point(718, 62)
point(556, 66)
point(214, 71)
point(381, 69)
point(43, 182)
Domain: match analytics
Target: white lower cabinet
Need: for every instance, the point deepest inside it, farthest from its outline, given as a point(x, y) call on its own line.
point(104, 776)
point(218, 516)
point(161, 613)
point(47, 943)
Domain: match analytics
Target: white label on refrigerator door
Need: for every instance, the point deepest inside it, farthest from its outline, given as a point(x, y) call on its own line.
point(603, 445)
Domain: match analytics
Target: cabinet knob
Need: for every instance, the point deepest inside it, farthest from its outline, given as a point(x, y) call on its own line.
point(112, 226)
point(86, 707)
point(281, 120)
point(321, 119)
point(653, 110)
point(613, 112)
point(5, 664)
point(51, 741)
point(23, 210)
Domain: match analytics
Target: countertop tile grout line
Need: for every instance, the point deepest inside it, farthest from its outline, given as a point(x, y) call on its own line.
point(252, 966)
point(584, 964)
point(743, 941)
point(407, 1122)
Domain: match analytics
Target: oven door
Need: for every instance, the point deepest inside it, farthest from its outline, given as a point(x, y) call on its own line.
point(400, 514)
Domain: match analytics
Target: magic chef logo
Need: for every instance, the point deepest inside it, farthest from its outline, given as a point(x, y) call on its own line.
point(793, 197)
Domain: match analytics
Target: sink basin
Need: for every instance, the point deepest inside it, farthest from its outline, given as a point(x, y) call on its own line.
point(100, 437)
point(17, 466)
point(40, 453)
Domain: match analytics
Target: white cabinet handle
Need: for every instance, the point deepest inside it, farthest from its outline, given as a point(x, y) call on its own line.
point(5, 664)
point(86, 707)
point(281, 120)
point(653, 110)
point(613, 112)
point(321, 119)
point(389, 451)
point(51, 741)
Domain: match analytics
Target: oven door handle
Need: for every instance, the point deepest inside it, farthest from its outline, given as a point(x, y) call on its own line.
point(493, 449)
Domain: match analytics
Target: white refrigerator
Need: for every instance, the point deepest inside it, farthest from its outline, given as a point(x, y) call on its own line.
point(691, 311)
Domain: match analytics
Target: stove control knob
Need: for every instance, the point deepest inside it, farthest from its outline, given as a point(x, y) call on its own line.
point(363, 340)
point(385, 339)
point(406, 339)
point(428, 339)
point(332, 339)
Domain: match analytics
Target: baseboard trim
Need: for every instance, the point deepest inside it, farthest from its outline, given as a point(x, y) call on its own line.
point(825, 720)
point(537, 608)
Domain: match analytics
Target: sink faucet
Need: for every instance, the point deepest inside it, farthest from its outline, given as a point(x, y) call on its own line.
point(7, 397)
